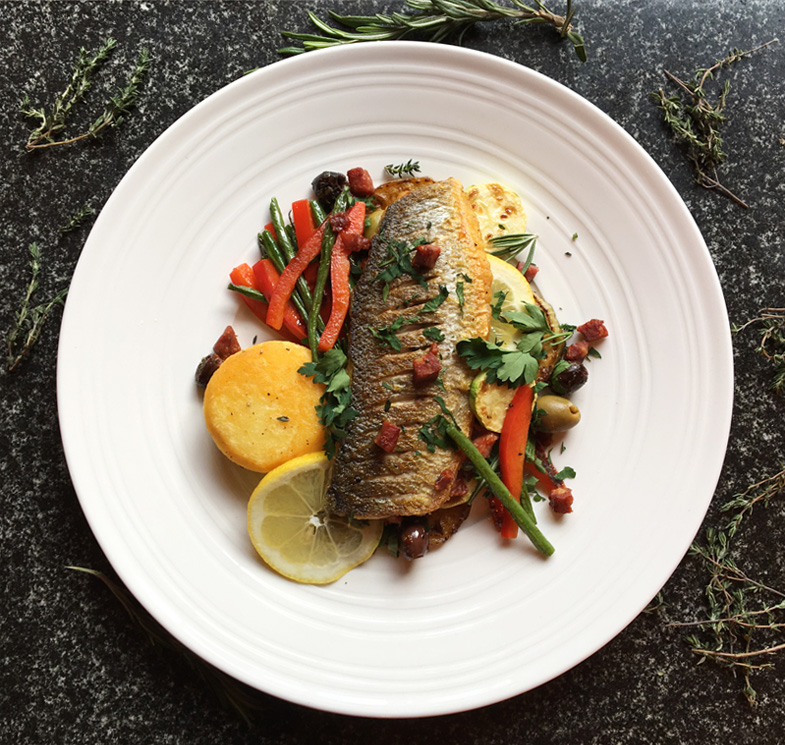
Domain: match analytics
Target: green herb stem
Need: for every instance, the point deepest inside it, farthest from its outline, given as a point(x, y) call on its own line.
point(483, 468)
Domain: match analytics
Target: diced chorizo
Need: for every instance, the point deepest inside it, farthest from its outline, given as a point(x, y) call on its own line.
point(354, 242)
point(426, 369)
point(426, 255)
point(531, 271)
point(484, 443)
point(460, 487)
point(387, 437)
point(444, 479)
point(577, 351)
point(561, 500)
point(227, 344)
point(339, 221)
point(593, 330)
point(360, 182)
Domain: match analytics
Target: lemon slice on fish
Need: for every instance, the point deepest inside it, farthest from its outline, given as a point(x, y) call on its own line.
point(292, 531)
point(517, 293)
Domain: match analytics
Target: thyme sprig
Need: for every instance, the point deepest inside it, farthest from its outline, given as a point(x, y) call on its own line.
point(697, 123)
point(51, 126)
point(771, 323)
point(231, 694)
point(77, 219)
point(746, 617)
point(29, 321)
point(432, 20)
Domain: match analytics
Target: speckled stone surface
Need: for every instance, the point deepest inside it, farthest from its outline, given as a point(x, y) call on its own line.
point(75, 668)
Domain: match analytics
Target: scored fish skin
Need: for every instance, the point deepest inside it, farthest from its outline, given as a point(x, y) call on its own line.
point(367, 482)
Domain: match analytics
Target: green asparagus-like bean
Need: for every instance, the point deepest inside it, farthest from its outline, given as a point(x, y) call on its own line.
point(314, 317)
point(495, 484)
point(248, 292)
point(289, 250)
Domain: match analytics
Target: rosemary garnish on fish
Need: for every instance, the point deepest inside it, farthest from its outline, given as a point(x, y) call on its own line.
point(432, 20)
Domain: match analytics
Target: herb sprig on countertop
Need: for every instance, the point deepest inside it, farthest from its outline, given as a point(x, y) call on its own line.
point(432, 20)
point(696, 122)
point(745, 624)
point(29, 320)
point(50, 131)
point(771, 325)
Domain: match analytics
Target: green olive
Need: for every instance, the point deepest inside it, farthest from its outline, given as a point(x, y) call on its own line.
point(560, 414)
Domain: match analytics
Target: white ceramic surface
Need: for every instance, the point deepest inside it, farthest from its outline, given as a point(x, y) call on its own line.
point(476, 621)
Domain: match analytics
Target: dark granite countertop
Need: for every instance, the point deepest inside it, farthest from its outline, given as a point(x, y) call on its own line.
point(77, 669)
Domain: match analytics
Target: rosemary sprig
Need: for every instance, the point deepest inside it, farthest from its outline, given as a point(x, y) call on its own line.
point(432, 20)
point(697, 123)
point(29, 321)
point(403, 169)
point(772, 341)
point(49, 132)
point(231, 694)
point(746, 618)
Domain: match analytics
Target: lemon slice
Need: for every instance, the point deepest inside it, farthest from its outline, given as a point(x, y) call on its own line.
point(507, 279)
point(292, 531)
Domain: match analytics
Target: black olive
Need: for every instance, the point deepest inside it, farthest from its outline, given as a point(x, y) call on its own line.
point(327, 186)
point(206, 368)
point(413, 539)
point(570, 378)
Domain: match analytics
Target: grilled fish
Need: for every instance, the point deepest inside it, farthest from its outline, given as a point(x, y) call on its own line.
point(367, 481)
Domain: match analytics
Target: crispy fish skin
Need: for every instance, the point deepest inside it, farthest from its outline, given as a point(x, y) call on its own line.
point(367, 482)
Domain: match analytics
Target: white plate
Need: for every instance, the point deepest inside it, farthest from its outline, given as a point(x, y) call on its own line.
point(476, 621)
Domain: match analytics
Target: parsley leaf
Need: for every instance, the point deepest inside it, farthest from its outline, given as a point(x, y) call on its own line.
point(434, 302)
point(511, 366)
point(335, 408)
point(432, 332)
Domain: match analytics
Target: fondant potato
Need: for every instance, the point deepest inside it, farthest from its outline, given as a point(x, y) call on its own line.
point(259, 410)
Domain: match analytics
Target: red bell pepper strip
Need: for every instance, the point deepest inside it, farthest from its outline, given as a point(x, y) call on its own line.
point(302, 217)
point(340, 266)
point(267, 279)
point(512, 450)
point(244, 276)
point(340, 295)
point(283, 290)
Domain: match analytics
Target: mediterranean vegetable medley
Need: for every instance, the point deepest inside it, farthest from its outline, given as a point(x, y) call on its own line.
point(414, 371)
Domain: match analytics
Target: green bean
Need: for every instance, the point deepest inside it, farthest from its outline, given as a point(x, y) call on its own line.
point(314, 317)
point(289, 250)
point(484, 469)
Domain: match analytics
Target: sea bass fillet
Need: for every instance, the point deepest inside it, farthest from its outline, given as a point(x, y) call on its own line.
point(367, 481)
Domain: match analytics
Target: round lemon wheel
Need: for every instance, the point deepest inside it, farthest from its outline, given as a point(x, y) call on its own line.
point(507, 279)
point(292, 531)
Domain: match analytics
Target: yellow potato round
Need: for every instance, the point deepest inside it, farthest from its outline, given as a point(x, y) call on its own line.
point(259, 410)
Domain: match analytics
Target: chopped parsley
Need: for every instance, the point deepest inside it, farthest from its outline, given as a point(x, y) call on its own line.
point(398, 263)
point(433, 333)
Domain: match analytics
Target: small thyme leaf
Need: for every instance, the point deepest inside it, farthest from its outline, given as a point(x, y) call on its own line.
point(29, 322)
point(432, 20)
